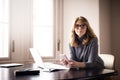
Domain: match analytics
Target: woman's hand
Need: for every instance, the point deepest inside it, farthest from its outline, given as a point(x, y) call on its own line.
point(74, 64)
point(64, 62)
point(63, 59)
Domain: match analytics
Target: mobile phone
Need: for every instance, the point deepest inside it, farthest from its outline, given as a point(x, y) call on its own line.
point(65, 57)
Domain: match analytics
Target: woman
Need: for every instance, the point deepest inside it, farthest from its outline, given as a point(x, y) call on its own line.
point(83, 46)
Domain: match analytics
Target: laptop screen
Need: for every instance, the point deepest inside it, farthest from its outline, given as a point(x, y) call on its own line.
point(37, 57)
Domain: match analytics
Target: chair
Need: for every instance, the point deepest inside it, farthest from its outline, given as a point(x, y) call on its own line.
point(108, 60)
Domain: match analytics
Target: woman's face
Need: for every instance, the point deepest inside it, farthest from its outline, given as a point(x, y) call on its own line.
point(80, 28)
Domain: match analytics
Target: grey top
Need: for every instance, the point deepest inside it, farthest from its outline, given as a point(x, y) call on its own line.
point(87, 53)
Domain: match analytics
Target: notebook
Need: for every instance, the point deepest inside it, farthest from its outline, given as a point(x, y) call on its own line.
point(10, 65)
point(46, 66)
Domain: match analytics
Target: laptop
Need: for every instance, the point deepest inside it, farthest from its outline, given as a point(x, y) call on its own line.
point(45, 66)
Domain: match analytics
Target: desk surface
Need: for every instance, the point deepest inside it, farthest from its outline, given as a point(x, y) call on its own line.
point(8, 74)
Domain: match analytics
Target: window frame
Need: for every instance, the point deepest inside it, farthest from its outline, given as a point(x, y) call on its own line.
point(57, 30)
point(9, 47)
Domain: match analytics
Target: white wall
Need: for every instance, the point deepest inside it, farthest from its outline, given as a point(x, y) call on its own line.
point(75, 8)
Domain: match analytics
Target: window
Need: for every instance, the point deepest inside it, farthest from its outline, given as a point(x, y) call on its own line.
point(4, 28)
point(43, 37)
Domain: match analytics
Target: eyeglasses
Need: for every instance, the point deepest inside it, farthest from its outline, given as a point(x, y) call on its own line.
point(83, 26)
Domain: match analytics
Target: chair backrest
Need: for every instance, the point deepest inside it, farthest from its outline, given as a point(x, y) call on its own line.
point(108, 60)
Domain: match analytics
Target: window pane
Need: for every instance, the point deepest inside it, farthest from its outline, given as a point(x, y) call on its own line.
point(4, 28)
point(43, 27)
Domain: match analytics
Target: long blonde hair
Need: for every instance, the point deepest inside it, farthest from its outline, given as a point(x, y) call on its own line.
point(89, 35)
